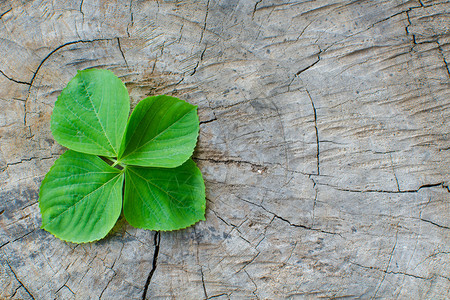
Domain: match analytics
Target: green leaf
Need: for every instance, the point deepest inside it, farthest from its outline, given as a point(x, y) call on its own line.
point(164, 199)
point(162, 132)
point(91, 113)
point(80, 198)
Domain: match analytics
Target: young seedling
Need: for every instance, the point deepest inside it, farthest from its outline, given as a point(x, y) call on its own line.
point(150, 174)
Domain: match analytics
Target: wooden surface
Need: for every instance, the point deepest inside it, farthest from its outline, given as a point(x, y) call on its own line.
point(324, 144)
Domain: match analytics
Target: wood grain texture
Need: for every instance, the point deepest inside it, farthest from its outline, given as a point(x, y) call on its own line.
point(324, 144)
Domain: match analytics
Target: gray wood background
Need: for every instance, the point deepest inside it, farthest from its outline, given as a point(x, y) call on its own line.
point(324, 144)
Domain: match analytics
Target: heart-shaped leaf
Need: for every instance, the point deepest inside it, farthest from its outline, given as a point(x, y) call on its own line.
point(91, 113)
point(162, 132)
point(80, 198)
point(164, 199)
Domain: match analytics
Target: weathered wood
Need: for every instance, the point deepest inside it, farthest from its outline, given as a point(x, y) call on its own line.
point(324, 144)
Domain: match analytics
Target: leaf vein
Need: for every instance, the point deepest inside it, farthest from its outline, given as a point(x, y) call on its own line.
point(80, 200)
point(96, 114)
point(159, 134)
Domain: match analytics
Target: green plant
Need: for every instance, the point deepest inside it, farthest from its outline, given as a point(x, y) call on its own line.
point(143, 159)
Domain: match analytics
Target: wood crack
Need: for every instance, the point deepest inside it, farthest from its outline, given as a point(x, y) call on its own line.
point(218, 295)
point(317, 133)
point(407, 29)
point(289, 222)
point(2, 14)
point(20, 282)
point(435, 224)
point(64, 285)
point(311, 65)
point(121, 52)
point(232, 161)
point(24, 160)
point(391, 272)
point(14, 80)
point(443, 57)
point(255, 8)
point(247, 263)
point(204, 23)
point(81, 10)
point(198, 62)
point(157, 241)
point(256, 286)
point(104, 289)
point(131, 24)
point(316, 188)
point(431, 185)
point(393, 171)
point(208, 121)
point(387, 267)
point(45, 59)
point(4, 244)
point(203, 282)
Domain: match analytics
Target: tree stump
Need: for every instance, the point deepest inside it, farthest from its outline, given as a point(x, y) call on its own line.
point(324, 145)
